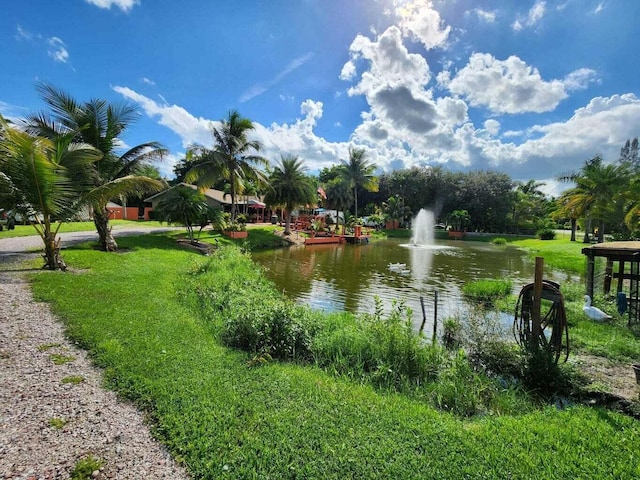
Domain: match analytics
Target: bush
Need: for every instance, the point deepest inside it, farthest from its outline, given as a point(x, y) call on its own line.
point(451, 329)
point(499, 241)
point(546, 234)
point(279, 328)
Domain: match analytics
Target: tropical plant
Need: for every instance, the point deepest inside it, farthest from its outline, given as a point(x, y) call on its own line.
point(188, 207)
point(339, 196)
point(37, 171)
point(100, 124)
point(290, 187)
point(233, 158)
point(396, 210)
point(459, 219)
point(597, 192)
point(358, 173)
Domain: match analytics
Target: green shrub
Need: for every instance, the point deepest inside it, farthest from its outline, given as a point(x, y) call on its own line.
point(546, 234)
point(499, 241)
point(279, 328)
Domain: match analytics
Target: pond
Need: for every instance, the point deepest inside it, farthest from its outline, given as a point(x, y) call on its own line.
point(348, 277)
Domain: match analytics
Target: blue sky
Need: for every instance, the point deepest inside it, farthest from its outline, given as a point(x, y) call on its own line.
point(531, 88)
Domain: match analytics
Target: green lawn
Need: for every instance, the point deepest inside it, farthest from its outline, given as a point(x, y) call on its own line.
point(224, 418)
point(26, 230)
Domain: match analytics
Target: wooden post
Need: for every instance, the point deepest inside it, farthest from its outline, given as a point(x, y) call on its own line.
point(435, 318)
point(537, 300)
point(590, 271)
point(608, 272)
point(620, 276)
point(424, 315)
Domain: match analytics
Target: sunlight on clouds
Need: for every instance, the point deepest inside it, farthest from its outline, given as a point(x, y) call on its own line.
point(124, 5)
point(509, 86)
point(420, 21)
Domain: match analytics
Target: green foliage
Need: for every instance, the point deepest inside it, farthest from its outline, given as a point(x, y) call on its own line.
point(499, 241)
point(546, 234)
point(57, 423)
point(546, 378)
point(276, 327)
point(83, 468)
point(59, 359)
point(73, 379)
point(451, 330)
point(487, 291)
point(387, 352)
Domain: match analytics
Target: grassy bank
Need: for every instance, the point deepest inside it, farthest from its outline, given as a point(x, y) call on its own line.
point(223, 414)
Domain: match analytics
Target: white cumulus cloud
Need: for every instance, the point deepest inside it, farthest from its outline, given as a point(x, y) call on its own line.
point(420, 21)
point(124, 5)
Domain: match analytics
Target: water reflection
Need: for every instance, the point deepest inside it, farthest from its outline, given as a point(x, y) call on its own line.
point(348, 277)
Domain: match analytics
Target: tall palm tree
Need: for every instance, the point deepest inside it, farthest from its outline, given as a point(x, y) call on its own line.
point(290, 187)
point(37, 171)
point(339, 196)
point(100, 124)
point(234, 158)
point(358, 173)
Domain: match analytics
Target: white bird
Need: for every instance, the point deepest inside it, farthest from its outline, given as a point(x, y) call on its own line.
point(593, 312)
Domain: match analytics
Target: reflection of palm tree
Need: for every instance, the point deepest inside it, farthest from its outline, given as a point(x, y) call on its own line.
point(358, 173)
point(234, 158)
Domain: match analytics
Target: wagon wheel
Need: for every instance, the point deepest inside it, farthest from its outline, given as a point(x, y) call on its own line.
point(552, 314)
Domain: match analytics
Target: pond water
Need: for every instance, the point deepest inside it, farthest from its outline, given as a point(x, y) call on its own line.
point(348, 277)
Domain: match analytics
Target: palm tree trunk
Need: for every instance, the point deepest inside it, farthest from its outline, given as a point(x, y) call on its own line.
point(601, 231)
point(101, 221)
point(587, 228)
point(232, 190)
point(355, 194)
point(574, 226)
point(287, 223)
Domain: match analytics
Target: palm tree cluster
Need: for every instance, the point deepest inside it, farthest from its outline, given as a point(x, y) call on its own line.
point(59, 162)
point(607, 194)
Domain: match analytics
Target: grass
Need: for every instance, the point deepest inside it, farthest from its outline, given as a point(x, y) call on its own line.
point(487, 291)
point(560, 253)
point(73, 379)
point(222, 417)
point(28, 230)
point(57, 423)
point(84, 468)
point(60, 359)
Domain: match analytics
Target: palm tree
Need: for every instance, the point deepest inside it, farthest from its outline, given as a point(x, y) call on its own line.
point(37, 171)
point(339, 196)
point(100, 125)
point(396, 210)
point(188, 207)
point(290, 187)
point(234, 158)
point(358, 173)
point(597, 190)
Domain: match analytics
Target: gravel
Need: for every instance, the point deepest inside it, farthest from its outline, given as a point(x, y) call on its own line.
point(54, 415)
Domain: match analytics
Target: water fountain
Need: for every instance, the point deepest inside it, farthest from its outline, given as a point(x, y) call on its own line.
point(422, 228)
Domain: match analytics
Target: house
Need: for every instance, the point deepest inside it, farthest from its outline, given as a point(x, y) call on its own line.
point(250, 205)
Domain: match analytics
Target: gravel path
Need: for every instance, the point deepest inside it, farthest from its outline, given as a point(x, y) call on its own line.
point(48, 422)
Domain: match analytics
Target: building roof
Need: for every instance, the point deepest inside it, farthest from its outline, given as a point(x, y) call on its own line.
point(217, 195)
